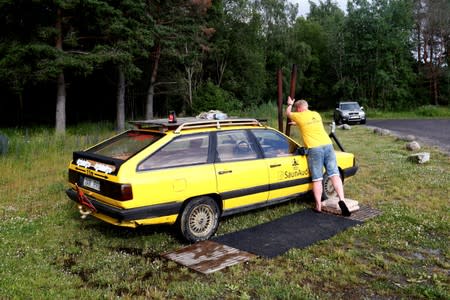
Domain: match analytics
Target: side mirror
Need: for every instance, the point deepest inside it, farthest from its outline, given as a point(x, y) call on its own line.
point(362, 107)
point(301, 151)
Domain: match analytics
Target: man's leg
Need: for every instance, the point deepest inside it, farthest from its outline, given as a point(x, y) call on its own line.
point(317, 191)
point(315, 164)
point(338, 187)
point(333, 171)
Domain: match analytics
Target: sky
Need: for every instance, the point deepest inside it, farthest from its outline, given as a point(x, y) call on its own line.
point(303, 5)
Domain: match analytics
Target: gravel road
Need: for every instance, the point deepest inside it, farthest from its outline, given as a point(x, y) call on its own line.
point(430, 132)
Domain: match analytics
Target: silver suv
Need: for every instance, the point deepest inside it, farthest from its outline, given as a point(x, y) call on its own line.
point(349, 112)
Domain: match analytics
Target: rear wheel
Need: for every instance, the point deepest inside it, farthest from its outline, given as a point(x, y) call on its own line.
point(328, 188)
point(199, 219)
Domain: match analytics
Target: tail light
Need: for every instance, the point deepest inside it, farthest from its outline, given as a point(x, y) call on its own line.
point(126, 192)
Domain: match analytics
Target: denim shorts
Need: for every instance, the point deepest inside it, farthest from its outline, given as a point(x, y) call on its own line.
point(319, 157)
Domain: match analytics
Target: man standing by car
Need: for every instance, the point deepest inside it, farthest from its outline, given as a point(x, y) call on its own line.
point(320, 148)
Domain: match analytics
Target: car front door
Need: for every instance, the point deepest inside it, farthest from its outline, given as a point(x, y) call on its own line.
point(242, 175)
point(288, 171)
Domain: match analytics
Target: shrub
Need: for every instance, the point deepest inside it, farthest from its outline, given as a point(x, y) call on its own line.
point(212, 97)
point(431, 111)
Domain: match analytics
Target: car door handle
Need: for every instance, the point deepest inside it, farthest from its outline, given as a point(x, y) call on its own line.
point(274, 166)
point(225, 172)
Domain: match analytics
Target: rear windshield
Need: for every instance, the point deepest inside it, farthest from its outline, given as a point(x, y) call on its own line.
point(126, 144)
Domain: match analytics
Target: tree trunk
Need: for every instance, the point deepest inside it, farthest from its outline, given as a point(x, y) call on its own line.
point(190, 70)
point(221, 65)
point(189, 79)
point(151, 88)
point(436, 91)
point(60, 126)
point(120, 118)
point(149, 104)
point(20, 112)
point(61, 105)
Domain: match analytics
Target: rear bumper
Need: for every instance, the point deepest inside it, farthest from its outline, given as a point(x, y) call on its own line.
point(138, 213)
point(349, 172)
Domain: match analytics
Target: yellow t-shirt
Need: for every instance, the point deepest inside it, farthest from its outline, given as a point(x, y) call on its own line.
point(311, 128)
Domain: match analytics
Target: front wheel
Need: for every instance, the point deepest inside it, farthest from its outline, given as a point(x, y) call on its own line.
point(199, 219)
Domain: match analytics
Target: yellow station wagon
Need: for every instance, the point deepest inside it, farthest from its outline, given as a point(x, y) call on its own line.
point(191, 173)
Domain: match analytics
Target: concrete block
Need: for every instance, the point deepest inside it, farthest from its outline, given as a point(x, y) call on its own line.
point(331, 205)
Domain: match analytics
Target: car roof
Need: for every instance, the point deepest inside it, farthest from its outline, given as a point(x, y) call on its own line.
point(181, 124)
point(348, 102)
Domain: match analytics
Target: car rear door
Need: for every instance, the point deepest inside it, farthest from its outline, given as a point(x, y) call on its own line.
point(242, 175)
point(180, 170)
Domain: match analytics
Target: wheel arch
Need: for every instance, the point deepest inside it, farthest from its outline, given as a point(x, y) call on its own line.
point(213, 196)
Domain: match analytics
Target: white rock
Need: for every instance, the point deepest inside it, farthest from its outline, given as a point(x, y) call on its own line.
point(413, 146)
point(420, 158)
point(381, 131)
point(407, 138)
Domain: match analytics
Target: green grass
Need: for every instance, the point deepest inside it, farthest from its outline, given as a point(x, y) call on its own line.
point(48, 252)
point(427, 111)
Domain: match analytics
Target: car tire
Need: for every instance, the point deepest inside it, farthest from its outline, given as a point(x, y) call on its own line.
point(363, 122)
point(339, 120)
point(199, 219)
point(327, 188)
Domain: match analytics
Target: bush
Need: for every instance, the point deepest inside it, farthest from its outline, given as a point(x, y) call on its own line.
point(212, 97)
point(431, 111)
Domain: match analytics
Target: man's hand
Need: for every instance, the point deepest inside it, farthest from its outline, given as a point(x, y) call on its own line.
point(290, 101)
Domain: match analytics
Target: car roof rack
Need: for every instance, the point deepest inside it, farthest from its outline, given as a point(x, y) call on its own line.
point(192, 123)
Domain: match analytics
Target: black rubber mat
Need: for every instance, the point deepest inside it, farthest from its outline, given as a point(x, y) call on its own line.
point(298, 230)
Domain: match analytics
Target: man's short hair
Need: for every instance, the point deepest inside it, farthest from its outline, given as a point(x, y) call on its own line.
point(301, 102)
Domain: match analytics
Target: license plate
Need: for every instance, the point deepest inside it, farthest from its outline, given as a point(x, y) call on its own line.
point(91, 183)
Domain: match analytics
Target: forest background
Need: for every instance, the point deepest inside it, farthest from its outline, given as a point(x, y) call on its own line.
point(65, 61)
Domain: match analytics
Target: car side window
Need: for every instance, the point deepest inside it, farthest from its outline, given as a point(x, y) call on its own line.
point(182, 151)
point(274, 144)
point(235, 145)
